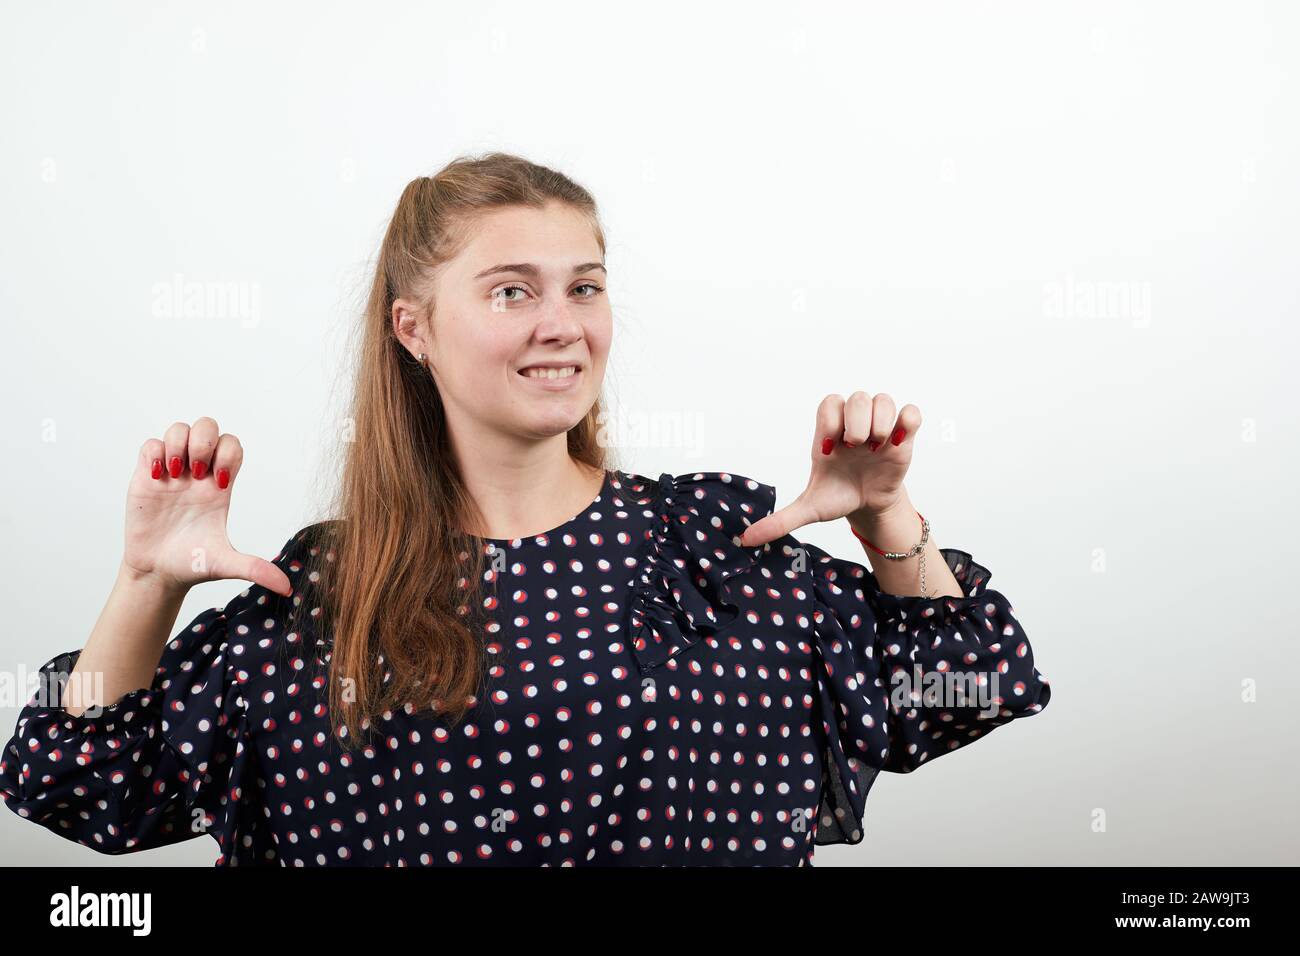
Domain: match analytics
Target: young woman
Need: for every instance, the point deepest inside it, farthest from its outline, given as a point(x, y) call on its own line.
point(503, 649)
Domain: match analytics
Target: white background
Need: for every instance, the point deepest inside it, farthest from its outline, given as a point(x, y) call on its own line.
point(1067, 232)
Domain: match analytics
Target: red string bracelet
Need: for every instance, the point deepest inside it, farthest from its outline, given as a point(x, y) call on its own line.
point(917, 549)
point(873, 547)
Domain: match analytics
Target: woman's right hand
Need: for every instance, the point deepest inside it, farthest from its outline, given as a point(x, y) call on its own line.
point(176, 509)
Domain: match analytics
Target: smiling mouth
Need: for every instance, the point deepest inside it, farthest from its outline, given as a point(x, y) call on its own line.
point(550, 373)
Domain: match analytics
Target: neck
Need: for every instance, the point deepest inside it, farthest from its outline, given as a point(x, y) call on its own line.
point(522, 494)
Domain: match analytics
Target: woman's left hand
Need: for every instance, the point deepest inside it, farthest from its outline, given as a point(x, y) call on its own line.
point(860, 456)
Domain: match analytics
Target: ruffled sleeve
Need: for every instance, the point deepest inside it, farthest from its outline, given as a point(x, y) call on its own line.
point(163, 763)
point(683, 589)
point(903, 680)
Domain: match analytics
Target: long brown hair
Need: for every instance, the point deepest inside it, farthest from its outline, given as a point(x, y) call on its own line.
point(397, 583)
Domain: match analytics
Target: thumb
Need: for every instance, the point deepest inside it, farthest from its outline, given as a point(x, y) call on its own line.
point(260, 571)
point(778, 524)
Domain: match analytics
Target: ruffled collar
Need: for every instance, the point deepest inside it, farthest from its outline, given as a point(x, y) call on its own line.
point(683, 587)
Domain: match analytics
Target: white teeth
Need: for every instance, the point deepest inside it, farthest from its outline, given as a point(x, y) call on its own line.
point(551, 372)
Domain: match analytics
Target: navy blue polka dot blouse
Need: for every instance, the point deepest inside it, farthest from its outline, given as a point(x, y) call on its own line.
point(659, 695)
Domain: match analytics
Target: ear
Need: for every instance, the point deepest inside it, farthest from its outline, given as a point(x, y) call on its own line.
point(407, 326)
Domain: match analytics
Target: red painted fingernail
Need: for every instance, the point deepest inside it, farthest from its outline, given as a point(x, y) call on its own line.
point(223, 477)
point(200, 468)
point(872, 444)
point(827, 445)
point(157, 468)
point(899, 434)
point(174, 467)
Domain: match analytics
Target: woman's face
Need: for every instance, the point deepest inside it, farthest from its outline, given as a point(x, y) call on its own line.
point(527, 290)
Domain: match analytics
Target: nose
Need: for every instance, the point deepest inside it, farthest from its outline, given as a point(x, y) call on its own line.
point(557, 323)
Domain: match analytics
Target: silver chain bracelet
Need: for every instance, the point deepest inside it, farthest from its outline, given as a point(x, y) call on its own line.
point(917, 549)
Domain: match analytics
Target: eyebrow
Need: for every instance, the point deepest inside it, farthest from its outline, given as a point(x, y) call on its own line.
point(528, 269)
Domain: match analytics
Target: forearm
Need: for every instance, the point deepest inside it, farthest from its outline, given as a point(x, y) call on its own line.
point(126, 644)
point(898, 531)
